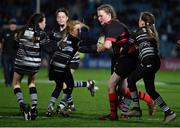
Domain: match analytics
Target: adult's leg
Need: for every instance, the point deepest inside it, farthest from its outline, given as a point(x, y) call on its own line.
point(6, 70)
point(11, 69)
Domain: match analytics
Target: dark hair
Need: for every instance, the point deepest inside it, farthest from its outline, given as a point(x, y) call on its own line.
point(149, 20)
point(33, 24)
point(63, 10)
point(108, 9)
point(34, 20)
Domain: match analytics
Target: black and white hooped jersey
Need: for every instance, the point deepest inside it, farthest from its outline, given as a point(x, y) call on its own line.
point(56, 35)
point(146, 44)
point(61, 58)
point(76, 58)
point(28, 57)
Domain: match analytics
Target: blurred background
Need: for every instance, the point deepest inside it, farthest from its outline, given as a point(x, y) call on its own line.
point(167, 13)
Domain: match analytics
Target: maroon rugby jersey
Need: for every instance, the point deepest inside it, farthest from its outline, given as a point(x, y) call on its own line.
point(117, 33)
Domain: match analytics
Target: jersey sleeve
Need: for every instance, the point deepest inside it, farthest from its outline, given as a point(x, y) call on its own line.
point(116, 32)
point(110, 33)
point(46, 45)
point(132, 37)
point(130, 46)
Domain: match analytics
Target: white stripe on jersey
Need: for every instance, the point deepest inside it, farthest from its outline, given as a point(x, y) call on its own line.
point(63, 55)
point(76, 58)
point(33, 53)
point(59, 64)
point(146, 50)
point(27, 43)
point(141, 35)
point(149, 54)
point(25, 63)
point(32, 59)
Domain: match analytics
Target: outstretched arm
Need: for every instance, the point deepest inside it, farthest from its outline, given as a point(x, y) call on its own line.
point(88, 49)
point(47, 45)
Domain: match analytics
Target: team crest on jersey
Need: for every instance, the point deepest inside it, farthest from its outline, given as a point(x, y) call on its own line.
point(29, 34)
point(69, 42)
point(7, 35)
point(57, 35)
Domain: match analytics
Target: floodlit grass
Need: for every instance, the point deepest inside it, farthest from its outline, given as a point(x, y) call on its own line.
point(88, 108)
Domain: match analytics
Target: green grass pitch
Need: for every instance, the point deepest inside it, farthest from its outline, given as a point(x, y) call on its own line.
point(88, 108)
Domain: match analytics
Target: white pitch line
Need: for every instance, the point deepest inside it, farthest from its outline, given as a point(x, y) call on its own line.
point(154, 119)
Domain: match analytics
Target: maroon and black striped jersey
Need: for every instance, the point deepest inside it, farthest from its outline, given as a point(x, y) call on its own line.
point(117, 33)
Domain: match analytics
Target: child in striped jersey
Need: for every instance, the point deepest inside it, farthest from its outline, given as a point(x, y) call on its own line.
point(57, 34)
point(28, 61)
point(60, 70)
point(89, 84)
point(147, 41)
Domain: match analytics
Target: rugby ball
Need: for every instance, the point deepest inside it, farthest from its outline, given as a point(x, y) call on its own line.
point(101, 40)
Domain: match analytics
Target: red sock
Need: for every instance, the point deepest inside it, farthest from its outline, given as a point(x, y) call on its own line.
point(144, 96)
point(128, 93)
point(113, 104)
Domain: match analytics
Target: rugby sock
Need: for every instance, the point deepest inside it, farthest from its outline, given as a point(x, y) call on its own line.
point(52, 101)
point(126, 105)
point(81, 84)
point(69, 100)
point(113, 104)
point(62, 103)
point(128, 93)
point(19, 95)
point(160, 102)
point(144, 96)
point(64, 97)
point(135, 98)
point(33, 94)
point(54, 96)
